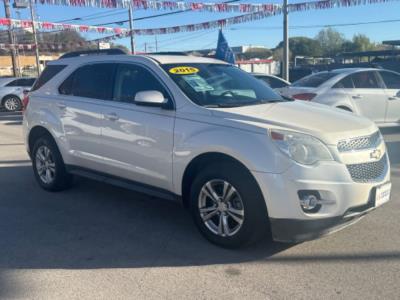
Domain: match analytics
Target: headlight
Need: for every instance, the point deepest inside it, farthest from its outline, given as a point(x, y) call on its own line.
point(302, 148)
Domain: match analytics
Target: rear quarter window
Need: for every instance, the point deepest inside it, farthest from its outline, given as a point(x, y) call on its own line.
point(90, 81)
point(345, 83)
point(47, 74)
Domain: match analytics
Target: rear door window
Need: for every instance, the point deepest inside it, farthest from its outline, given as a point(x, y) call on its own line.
point(90, 81)
point(365, 80)
point(391, 80)
point(47, 74)
point(26, 82)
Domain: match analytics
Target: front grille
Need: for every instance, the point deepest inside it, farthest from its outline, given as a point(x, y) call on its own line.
point(368, 172)
point(360, 143)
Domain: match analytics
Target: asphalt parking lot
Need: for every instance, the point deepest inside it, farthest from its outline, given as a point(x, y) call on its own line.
point(102, 242)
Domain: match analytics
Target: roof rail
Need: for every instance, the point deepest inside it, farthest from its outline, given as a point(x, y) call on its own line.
point(112, 51)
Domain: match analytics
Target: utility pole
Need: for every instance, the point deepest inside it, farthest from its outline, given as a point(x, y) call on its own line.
point(155, 37)
point(35, 38)
point(131, 28)
point(285, 66)
point(16, 42)
point(10, 38)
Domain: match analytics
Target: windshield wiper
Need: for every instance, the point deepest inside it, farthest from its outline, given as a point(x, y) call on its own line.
point(228, 105)
point(223, 105)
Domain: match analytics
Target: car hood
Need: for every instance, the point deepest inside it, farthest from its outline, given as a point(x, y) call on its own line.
point(326, 123)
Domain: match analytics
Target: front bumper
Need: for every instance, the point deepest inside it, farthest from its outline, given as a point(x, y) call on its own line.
point(344, 201)
point(297, 230)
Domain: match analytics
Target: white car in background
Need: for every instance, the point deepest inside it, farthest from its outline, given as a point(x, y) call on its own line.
point(372, 93)
point(12, 91)
point(272, 81)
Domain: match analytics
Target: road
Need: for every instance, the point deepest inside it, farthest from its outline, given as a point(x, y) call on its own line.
point(97, 241)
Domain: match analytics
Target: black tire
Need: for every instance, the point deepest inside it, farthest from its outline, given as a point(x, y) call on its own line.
point(16, 104)
point(255, 223)
point(61, 179)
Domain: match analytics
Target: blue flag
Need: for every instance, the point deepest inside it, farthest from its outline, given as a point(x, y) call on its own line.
point(223, 51)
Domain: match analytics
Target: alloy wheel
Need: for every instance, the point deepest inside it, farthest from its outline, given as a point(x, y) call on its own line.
point(11, 104)
point(45, 164)
point(221, 207)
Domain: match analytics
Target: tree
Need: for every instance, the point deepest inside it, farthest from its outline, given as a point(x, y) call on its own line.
point(331, 41)
point(303, 46)
point(278, 54)
point(362, 43)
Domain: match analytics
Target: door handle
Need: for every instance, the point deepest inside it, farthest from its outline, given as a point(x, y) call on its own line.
point(111, 117)
point(394, 98)
point(61, 106)
point(357, 97)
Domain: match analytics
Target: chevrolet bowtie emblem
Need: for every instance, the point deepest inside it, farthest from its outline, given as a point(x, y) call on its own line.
point(376, 154)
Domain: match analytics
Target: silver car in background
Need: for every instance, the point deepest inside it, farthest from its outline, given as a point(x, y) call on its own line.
point(372, 93)
point(272, 81)
point(12, 91)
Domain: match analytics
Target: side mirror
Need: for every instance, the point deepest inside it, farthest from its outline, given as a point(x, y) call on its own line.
point(150, 98)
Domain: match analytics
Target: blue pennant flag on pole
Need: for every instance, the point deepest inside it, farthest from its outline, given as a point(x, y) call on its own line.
point(223, 51)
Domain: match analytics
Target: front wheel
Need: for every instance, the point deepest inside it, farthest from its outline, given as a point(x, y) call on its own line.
point(12, 103)
point(227, 206)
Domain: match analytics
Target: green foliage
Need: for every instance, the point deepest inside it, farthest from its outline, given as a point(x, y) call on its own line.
point(362, 43)
point(327, 43)
point(303, 46)
point(331, 41)
point(278, 54)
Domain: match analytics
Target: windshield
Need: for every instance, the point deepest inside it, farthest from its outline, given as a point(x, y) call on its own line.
point(314, 80)
point(220, 85)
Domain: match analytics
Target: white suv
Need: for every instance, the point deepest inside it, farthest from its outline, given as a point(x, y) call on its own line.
point(244, 161)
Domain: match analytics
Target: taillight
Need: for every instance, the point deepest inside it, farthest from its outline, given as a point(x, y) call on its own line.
point(304, 96)
point(25, 100)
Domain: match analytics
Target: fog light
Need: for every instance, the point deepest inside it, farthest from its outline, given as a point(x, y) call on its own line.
point(309, 201)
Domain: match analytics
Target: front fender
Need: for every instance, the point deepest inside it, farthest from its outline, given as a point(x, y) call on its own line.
point(254, 150)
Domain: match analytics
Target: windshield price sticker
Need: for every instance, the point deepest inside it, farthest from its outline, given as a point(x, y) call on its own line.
point(183, 70)
point(198, 83)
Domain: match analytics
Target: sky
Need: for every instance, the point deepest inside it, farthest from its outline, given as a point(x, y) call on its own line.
point(267, 32)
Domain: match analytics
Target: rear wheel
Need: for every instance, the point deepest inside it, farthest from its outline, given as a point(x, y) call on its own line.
point(48, 166)
point(227, 206)
point(12, 103)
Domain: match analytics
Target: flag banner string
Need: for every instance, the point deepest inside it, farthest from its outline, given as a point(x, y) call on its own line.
point(47, 46)
point(119, 32)
point(163, 5)
point(206, 6)
point(27, 24)
point(217, 24)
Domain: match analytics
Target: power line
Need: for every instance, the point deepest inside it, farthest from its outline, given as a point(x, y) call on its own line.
point(317, 26)
point(99, 14)
point(191, 36)
point(187, 38)
point(158, 15)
